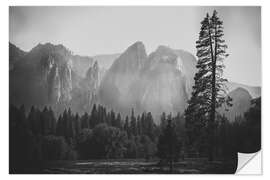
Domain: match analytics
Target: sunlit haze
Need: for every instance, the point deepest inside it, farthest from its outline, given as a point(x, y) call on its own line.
point(104, 30)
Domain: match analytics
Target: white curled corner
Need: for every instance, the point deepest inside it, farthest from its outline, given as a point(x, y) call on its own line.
point(249, 163)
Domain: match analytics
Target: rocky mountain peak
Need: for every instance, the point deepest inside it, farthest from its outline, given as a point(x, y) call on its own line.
point(162, 55)
point(137, 44)
point(161, 82)
point(47, 49)
point(15, 54)
point(131, 60)
point(240, 93)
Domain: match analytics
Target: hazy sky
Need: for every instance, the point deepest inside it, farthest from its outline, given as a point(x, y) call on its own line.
point(103, 30)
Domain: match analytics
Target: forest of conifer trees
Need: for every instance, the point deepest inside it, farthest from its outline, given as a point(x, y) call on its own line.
point(39, 136)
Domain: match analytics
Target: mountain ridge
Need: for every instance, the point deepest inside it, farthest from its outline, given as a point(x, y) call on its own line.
point(160, 81)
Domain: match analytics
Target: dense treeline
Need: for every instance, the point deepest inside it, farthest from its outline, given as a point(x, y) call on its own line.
point(39, 136)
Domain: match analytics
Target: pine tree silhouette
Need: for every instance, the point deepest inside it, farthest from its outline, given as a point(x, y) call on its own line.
point(209, 91)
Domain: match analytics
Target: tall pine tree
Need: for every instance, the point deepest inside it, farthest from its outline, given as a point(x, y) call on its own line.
point(209, 90)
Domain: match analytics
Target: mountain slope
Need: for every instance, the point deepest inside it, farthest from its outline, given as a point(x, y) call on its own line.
point(155, 83)
point(80, 64)
point(161, 82)
point(165, 88)
point(15, 54)
point(42, 76)
point(50, 75)
point(254, 91)
point(241, 103)
point(115, 86)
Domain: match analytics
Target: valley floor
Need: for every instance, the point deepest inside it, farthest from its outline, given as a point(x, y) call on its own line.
point(134, 166)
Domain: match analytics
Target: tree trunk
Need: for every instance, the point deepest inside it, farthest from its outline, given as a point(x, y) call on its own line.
point(213, 101)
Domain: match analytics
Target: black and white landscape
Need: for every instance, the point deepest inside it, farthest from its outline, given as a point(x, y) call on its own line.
point(168, 110)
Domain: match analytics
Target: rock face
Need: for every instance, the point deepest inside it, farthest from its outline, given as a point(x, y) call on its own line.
point(165, 88)
point(15, 54)
point(161, 82)
point(42, 76)
point(241, 103)
point(47, 76)
point(153, 83)
point(80, 64)
point(92, 83)
point(186, 63)
point(119, 80)
point(254, 91)
point(58, 76)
